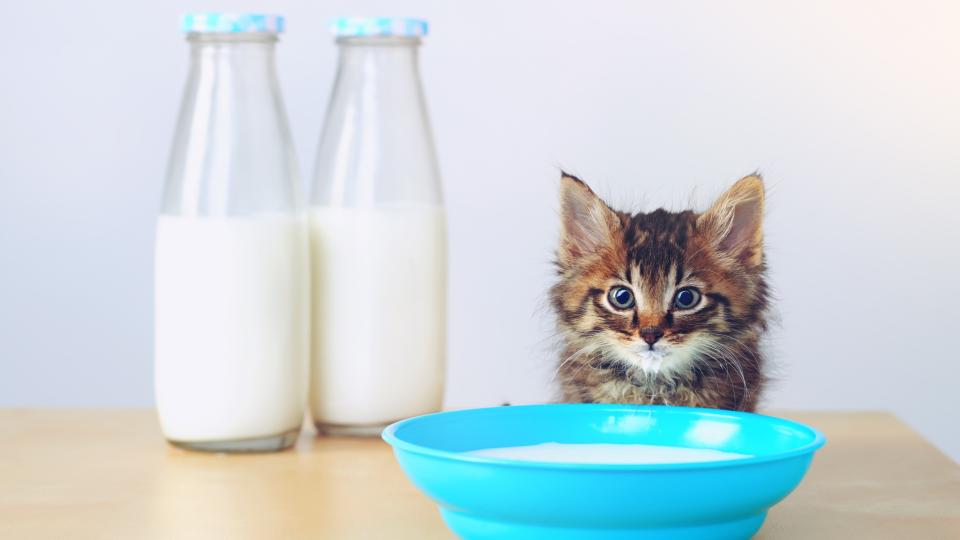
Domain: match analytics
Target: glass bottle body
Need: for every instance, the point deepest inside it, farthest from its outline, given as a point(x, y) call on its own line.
point(378, 242)
point(231, 262)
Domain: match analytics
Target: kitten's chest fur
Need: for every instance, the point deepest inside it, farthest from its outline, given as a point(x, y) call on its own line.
point(595, 381)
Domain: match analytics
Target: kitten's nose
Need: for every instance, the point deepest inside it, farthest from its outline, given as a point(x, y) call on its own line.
point(651, 334)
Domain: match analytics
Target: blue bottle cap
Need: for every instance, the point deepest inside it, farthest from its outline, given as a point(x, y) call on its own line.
point(232, 22)
point(378, 26)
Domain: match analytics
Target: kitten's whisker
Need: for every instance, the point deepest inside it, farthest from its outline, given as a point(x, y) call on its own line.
point(577, 353)
point(734, 357)
point(743, 346)
point(712, 353)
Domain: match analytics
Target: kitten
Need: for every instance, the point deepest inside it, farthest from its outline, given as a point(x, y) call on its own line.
point(662, 307)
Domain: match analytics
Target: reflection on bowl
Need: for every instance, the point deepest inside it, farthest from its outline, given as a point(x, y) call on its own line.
point(491, 496)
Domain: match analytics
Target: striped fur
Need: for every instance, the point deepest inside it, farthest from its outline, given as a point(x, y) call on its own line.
point(708, 355)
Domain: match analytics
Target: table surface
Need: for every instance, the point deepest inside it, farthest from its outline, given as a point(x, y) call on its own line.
point(109, 474)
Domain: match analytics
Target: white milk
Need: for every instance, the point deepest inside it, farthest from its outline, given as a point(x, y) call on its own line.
point(379, 313)
point(231, 326)
point(620, 454)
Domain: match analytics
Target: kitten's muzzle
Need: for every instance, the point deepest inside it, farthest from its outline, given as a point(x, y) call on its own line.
point(651, 334)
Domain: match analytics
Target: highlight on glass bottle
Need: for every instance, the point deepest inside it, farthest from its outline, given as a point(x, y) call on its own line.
point(231, 266)
point(378, 237)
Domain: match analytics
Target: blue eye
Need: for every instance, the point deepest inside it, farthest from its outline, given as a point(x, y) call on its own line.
point(621, 297)
point(686, 298)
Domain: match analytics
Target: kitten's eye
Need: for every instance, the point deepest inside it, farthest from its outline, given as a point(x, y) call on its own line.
point(686, 298)
point(621, 297)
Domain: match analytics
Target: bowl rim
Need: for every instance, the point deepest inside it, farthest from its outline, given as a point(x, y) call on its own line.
point(389, 435)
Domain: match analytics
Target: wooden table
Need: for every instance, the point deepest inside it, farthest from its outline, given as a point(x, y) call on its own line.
point(108, 474)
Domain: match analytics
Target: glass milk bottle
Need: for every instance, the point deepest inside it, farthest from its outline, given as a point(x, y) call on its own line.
point(378, 238)
point(231, 268)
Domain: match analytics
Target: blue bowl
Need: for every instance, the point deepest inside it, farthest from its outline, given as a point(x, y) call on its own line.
point(492, 497)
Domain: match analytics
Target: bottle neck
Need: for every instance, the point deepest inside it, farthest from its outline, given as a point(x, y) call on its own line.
point(246, 55)
point(380, 60)
point(232, 153)
point(377, 147)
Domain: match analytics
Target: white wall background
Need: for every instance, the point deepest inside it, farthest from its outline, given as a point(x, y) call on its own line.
point(851, 110)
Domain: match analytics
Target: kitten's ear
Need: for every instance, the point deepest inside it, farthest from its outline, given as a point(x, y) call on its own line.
point(589, 225)
point(735, 221)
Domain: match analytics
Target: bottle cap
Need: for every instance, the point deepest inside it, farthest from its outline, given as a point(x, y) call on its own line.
point(378, 26)
point(232, 22)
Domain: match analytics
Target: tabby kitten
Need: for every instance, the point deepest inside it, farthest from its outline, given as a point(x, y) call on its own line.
point(662, 307)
